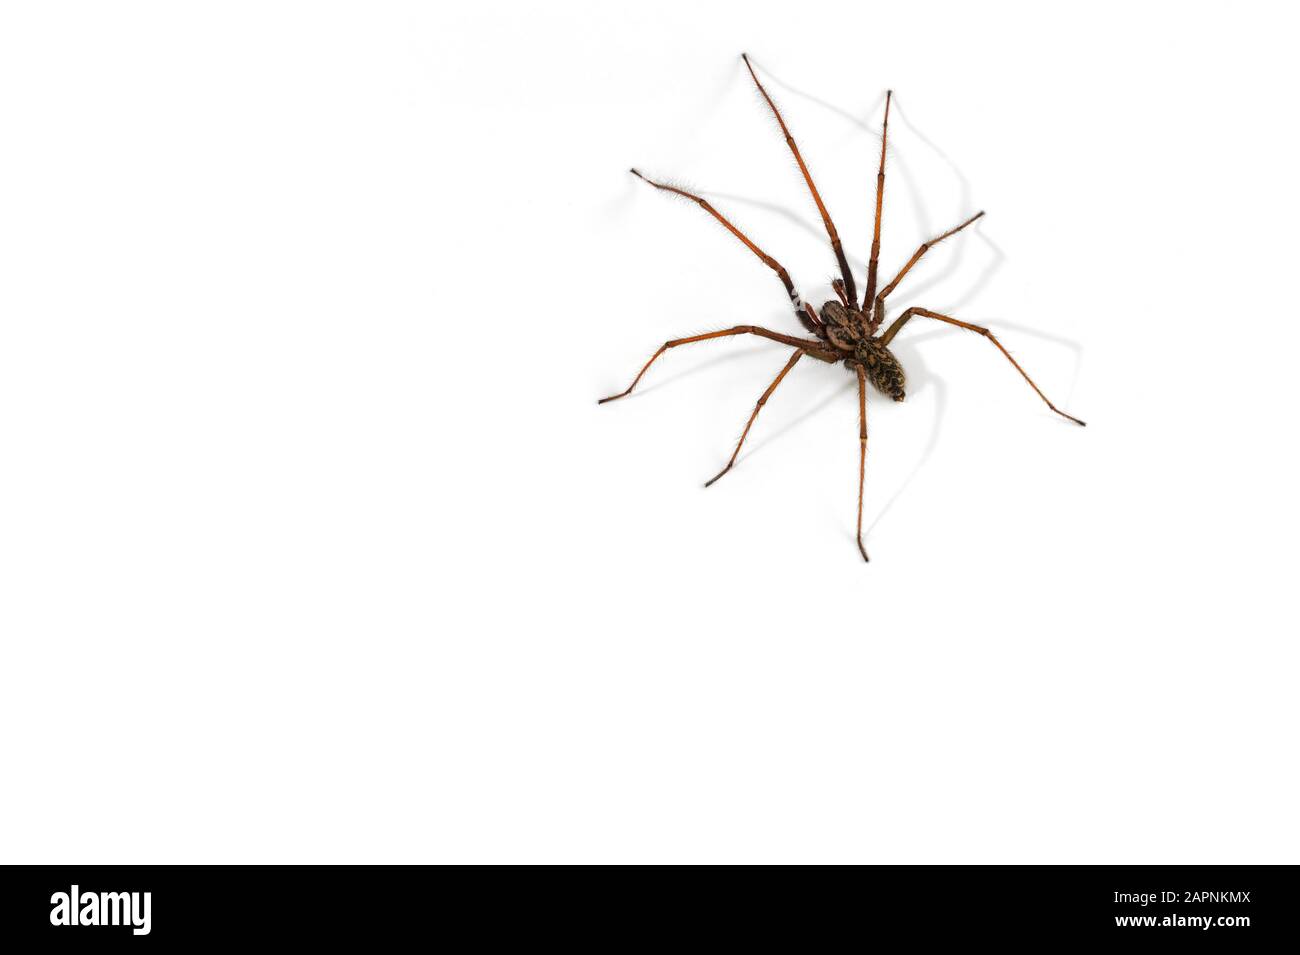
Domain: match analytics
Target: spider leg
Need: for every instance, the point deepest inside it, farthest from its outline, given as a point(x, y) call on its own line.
point(806, 346)
point(801, 311)
point(862, 458)
point(807, 177)
point(899, 322)
point(798, 353)
point(874, 262)
point(916, 257)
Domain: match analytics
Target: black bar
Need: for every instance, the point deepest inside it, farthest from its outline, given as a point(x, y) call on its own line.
point(1228, 906)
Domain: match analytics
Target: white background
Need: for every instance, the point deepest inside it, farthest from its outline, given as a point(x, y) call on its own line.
point(315, 546)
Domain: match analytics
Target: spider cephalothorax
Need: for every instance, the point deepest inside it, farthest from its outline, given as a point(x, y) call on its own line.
point(850, 331)
point(846, 330)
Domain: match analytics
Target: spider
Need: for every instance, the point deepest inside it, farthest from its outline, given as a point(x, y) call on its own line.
point(845, 331)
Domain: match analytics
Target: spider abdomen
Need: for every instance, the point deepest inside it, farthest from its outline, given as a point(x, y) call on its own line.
point(882, 368)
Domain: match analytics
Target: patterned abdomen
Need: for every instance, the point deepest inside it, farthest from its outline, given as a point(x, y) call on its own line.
point(883, 370)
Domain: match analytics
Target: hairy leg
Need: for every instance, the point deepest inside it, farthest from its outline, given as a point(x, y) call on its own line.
point(873, 265)
point(902, 320)
point(862, 457)
point(916, 257)
point(801, 312)
point(808, 346)
point(836, 247)
point(799, 353)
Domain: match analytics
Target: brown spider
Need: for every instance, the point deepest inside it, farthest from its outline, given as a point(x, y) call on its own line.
point(846, 332)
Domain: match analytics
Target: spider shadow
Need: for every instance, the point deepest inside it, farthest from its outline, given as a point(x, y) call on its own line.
point(816, 408)
point(861, 126)
point(918, 373)
point(952, 261)
point(896, 162)
point(905, 349)
point(816, 230)
point(920, 211)
point(920, 376)
point(921, 381)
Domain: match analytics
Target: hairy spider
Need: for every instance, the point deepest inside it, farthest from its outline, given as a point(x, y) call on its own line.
point(846, 332)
